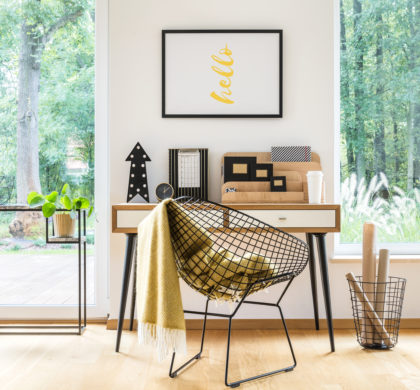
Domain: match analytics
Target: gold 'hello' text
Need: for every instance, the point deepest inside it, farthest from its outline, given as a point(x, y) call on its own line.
point(225, 70)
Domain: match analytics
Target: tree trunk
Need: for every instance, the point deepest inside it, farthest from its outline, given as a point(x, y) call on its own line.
point(346, 125)
point(27, 172)
point(359, 92)
point(396, 149)
point(28, 99)
point(416, 168)
point(416, 146)
point(379, 139)
point(412, 116)
point(32, 45)
point(410, 146)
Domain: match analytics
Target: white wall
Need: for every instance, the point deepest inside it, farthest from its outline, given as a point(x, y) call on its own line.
point(135, 109)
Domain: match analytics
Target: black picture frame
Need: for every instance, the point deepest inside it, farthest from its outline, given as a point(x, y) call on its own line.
point(278, 188)
point(279, 114)
point(230, 162)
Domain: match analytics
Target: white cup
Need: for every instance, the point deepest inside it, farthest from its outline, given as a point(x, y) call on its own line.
point(314, 186)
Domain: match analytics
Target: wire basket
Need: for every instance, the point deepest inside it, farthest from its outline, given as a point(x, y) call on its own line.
point(386, 299)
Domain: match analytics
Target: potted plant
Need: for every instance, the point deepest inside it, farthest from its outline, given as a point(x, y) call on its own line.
point(64, 225)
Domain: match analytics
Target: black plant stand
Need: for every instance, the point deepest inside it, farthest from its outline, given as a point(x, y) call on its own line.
point(80, 240)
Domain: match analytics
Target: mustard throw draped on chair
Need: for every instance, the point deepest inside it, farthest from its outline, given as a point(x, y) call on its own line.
point(159, 308)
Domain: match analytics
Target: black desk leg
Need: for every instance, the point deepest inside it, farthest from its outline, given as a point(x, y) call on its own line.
point(130, 246)
point(312, 270)
point(133, 294)
point(323, 265)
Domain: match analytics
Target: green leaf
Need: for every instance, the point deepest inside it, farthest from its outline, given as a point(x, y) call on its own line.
point(90, 211)
point(66, 202)
point(52, 197)
point(85, 203)
point(48, 209)
point(31, 195)
point(35, 199)
point(77, 203)
point(64, 189)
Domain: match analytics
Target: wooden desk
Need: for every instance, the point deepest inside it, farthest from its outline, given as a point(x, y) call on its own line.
point(312, 219)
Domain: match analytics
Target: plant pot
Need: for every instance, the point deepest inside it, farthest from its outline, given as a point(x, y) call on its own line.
point(64, 225)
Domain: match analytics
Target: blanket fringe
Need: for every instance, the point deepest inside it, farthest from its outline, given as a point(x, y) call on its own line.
point(165, 340)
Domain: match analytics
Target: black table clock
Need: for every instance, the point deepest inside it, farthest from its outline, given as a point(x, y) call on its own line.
point(164, 191)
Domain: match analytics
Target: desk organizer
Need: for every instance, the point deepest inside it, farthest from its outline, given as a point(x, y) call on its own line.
point(246, 178)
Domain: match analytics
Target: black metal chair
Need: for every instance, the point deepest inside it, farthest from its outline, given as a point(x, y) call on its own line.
point(225, 254)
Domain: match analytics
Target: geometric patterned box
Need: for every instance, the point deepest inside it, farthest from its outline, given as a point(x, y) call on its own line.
point(290, 153)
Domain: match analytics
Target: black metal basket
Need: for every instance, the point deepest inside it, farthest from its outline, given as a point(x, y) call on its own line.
point(387, 300)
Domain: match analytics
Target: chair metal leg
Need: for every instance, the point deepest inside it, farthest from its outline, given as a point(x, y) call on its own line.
point(288, 339)
point(173, 374)
point(285, 369)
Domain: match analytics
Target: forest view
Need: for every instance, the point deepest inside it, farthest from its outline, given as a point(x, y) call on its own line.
point(46, 97)
point(380, 118)
point(47, 136)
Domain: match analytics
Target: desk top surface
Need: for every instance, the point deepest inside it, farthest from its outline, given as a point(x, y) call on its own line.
point(241, 206)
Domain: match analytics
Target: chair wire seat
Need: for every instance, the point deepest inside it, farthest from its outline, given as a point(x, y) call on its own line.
point(225, 254)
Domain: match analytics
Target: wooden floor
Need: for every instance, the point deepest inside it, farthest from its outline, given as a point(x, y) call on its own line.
point(88, 362)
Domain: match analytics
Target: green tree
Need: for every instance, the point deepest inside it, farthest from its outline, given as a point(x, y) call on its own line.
point(46, 67)
point(380, 94)
point(380, 74)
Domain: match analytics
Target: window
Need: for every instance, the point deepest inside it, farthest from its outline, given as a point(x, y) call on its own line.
point(47, 138)
point(380, 120)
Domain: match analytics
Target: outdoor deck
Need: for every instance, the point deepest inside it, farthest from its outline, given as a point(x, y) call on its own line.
point(42, 279)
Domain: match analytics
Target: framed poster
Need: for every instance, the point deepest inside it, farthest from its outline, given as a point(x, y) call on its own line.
point(222, 73)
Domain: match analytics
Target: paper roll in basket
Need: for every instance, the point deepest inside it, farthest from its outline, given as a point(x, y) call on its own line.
point(369, 274)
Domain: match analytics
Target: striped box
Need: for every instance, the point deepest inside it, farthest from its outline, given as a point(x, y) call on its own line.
point(290, 153)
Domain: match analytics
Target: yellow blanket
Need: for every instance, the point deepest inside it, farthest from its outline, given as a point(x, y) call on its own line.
point(215, 272)
point(159, 308)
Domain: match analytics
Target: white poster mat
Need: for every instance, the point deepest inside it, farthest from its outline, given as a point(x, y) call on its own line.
point(190, 78)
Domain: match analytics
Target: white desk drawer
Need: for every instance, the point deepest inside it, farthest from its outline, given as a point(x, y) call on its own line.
point(131, 218)
point(295, 218)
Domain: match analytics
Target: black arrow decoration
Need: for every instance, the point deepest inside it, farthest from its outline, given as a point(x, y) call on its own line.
point(137, 184)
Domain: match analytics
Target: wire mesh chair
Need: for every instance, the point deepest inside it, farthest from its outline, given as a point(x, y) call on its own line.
point(225, 254)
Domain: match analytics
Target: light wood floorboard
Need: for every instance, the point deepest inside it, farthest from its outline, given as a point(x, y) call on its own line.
point(89, 362)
